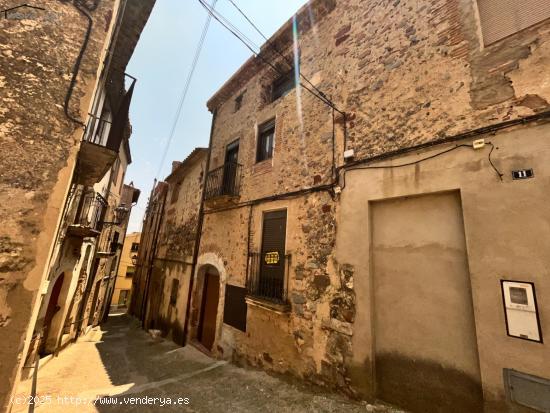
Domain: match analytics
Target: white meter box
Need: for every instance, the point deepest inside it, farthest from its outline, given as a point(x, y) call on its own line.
point(520, 309)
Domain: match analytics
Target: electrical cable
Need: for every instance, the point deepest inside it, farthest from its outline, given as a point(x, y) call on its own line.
point(291, 65)
point(84, 10)
point(235, 32)
point(500, 175)
point(185, 89)
point(417, 162)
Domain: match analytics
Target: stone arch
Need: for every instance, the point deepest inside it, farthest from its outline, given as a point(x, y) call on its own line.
point(207, 263)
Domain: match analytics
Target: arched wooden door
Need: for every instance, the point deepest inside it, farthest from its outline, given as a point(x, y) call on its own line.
point(209, 308)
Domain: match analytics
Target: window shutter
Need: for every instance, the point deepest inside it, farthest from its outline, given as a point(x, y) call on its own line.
point(501, 18)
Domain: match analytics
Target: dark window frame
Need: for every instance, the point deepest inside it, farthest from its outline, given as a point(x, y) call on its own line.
point(283, 85)
point(176, 192)
point(266, 141)
point(116, 169)
point(239, 102)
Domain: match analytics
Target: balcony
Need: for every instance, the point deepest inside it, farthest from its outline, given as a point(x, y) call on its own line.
point(267, 281)
point(94, 157)
point(223, 184)
point(90, 212)
point(101, 143)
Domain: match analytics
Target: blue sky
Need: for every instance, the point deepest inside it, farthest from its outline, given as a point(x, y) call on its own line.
point(161, 62)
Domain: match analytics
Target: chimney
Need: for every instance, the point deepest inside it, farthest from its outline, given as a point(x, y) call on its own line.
point(175, 164)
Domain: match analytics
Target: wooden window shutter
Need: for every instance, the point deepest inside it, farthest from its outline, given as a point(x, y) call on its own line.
point(502, 18)
point(235, 309)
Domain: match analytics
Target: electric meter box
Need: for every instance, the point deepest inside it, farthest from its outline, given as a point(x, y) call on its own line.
point(520, 306)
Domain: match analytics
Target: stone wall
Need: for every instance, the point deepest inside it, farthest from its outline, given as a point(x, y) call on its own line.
point(175, 247)
point(406, 73)
point(38, 49)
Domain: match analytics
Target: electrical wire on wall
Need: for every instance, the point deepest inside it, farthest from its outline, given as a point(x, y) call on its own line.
point(418, 161)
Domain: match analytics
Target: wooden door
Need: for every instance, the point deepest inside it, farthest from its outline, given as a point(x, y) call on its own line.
point(209, 310)
point(272, 269)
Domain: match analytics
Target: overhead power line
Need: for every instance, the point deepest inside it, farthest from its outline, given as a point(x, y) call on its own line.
point(185, 89)
point(251, 46)
point(271, 45)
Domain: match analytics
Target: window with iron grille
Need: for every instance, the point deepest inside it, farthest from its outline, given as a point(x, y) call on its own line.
point(502, 18)
point(266, 135)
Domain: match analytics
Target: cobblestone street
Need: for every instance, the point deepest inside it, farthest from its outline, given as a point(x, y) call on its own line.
point(119, 359)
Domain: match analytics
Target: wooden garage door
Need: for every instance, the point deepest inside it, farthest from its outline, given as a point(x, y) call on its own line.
point(501, 18)
point(425, 343)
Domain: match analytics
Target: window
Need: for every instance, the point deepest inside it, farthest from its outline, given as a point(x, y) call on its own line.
point(239, 102)
point(502, 18)
point(175, 192)
point(266, 134)
point(130, 270)
point(123, 298)
point(174, 291)
point(135, 246)
point(114, 242)
point(283, 85)
point(116, 167)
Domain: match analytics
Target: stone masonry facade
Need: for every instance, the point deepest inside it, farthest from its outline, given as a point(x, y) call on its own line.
point(406, 74)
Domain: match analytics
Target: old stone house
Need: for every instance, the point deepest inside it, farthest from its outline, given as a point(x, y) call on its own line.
point(65, 128)
point(150, 228)
point(387, 237)
point(165, 265)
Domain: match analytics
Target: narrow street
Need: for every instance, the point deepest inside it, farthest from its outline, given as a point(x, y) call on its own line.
point(117, 365)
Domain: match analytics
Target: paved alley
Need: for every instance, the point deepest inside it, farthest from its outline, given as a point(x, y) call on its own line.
point(118, 367)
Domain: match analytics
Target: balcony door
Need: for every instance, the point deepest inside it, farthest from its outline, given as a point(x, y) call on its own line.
point(230, 168)
point(272, 268)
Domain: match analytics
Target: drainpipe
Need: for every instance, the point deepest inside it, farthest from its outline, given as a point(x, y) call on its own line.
point(198, 236)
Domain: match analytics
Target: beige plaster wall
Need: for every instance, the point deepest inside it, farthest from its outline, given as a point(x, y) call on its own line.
point(507, 232)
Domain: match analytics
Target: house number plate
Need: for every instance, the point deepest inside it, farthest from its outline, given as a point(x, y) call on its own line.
point(523, 174)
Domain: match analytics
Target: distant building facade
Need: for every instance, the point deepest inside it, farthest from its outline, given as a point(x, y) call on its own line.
point(65, 134)
point(165, 260)
point(126, 270)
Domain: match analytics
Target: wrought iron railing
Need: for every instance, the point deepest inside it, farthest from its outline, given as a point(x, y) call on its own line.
point(267, 278)
point(225, 180)
point(96, 130)
point(90, 211)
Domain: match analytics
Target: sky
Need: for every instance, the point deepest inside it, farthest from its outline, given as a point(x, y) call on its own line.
point(161, 63)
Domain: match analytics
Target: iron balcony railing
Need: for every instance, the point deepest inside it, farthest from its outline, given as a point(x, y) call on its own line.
point(96, 130)
point(225, 180)
point(91, 210)
point(268, 277)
